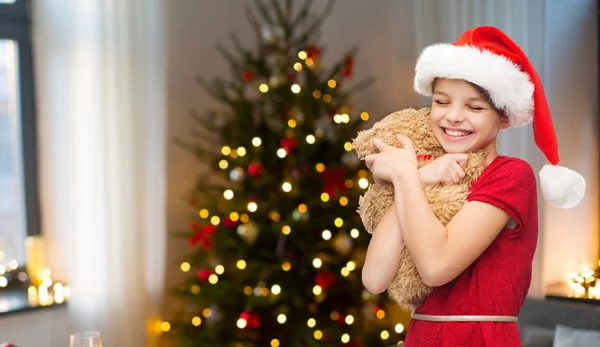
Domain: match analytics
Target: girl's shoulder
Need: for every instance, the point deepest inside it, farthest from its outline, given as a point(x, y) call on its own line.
point(507, 171)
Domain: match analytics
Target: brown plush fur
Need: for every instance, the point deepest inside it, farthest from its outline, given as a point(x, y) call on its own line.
point(406, 289)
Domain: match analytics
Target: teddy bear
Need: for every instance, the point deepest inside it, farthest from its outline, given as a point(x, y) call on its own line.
point(407, 289)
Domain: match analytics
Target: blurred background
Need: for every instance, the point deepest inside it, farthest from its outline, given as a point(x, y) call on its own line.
point(163, 182)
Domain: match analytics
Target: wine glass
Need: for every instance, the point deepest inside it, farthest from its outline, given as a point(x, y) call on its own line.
point(86, 339)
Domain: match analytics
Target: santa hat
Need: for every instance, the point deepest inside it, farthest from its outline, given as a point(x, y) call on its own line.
point(488, 58)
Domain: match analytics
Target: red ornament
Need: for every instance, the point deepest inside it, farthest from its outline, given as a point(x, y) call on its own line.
point(248, 76)
point(376, 308)
point(202, 235)
point(325, 279)
point(255, 169)
point(313, 52)
point(334, 180)
point(228, 223)
point(204, 274)
point(348, 67)
point(289, 144)
point(254, 321)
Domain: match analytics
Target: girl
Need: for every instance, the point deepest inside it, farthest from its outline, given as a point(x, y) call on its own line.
point(480, 263)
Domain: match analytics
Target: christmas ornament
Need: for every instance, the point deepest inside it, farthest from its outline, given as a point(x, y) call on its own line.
point(277, 80)
point(334, 181)
point(272, 34)
point(343, 243)
point(255, 169)
point(228, 223)
point(348, 67)
point(289, 144)
point(325, 279)
point(248, 76)
point(204, 274)
point(202, 235)
point(249, 232)
point(237, 174)
point(300, 216)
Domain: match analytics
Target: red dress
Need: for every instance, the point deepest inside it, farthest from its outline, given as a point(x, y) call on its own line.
point(498, 281)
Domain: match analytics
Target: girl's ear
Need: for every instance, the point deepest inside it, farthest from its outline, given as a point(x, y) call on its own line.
point(504, 123)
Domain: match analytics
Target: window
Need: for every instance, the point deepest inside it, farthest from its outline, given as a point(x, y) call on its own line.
point(19, 206)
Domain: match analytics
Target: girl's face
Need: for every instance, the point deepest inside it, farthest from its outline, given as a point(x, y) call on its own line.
point(462, 119)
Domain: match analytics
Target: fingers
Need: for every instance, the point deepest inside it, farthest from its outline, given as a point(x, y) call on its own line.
point(370, 160)
point(460, 172)
point(406, 143)
point(380, 145)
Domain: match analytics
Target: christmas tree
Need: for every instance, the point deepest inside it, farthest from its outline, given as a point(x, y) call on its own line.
point(276, 243)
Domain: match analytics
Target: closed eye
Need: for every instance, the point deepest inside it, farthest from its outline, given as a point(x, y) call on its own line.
point(476, 108)
point(439, 102)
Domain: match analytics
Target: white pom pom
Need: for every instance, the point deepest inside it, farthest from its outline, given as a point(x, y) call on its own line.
point(561, 186)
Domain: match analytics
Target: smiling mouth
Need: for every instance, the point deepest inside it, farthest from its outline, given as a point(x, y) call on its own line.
point(456, 133)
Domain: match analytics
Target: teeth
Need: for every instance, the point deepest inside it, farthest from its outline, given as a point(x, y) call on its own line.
point(456, 132)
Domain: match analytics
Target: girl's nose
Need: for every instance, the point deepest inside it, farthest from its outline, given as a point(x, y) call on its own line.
point(454, 116)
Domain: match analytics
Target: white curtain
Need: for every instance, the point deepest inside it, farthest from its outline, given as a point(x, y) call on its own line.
point(100, 89)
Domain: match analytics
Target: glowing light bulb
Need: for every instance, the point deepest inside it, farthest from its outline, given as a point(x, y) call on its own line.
point(263, 88)
point(281, 153)
point(256, 142)
point(354, 233)
point(281, 318)
point(311, 323)
point(317, 263)
point(219, 269)
point(326, 234)
point(310, 139)
point(384, 335)
point(241, 264)
point(228, 194)
point(286, 186)
point(252, 206)
point(317, 290)
point(225, 150)
point(185, 266)
point(318, 334)
point(295, 88)
point(363, 183)
point(276, 289)
point(345, 338)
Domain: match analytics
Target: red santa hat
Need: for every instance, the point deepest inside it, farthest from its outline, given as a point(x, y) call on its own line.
point(488, 58)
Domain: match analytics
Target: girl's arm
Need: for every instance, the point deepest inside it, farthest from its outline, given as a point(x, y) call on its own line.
point(383, 253)
point(442, 253)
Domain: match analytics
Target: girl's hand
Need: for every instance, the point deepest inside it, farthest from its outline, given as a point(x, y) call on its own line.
point(391, 161)
point(447, 169)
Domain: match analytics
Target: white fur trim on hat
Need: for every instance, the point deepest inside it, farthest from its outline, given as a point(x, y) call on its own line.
point(510, 89)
